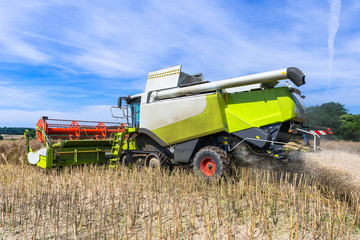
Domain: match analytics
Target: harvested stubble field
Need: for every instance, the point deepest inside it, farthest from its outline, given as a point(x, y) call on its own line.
point(314, 196)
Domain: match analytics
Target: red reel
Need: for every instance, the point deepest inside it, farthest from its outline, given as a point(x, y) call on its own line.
point(75, 125)
point(74, 130)
point(44, 126)
point(101, 127)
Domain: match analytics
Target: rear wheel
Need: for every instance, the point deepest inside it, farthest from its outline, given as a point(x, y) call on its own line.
point(211, 161)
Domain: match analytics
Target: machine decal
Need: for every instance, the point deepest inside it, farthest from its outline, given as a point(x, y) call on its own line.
point(164, 74)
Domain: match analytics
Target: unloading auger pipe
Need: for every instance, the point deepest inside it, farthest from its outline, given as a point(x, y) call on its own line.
point(292, 73)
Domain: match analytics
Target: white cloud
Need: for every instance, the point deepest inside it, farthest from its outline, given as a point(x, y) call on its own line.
point(112, 39)
point(16, 97)
point(15, 14)
point(118, 43)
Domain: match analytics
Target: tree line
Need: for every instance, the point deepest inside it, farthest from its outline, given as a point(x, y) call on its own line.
point(345, 126)
point(16, 131)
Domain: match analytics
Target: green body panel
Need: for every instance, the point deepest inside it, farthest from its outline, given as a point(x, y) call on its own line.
point(46, 162)
point(259, 108)
point(208, 122)
point(79, 156)
point(122, 141)
point(130, 145)
point(77, 152)
point(231, 113)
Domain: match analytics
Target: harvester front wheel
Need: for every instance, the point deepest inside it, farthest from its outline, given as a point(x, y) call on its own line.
point(153, 161)
point(126, 159)
point(211, 161)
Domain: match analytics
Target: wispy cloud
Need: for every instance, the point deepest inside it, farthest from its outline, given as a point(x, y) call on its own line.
point(335, 9)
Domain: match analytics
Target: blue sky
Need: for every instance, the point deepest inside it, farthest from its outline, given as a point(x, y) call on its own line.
point(73, 59)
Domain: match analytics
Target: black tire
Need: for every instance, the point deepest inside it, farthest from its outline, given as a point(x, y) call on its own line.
point(211, 161)
point(126, 159)
point(153, 161)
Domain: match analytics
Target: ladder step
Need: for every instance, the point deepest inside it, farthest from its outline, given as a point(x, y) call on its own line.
point(117, 146)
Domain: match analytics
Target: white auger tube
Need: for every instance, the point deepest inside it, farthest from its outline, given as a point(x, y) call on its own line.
point(292, 73)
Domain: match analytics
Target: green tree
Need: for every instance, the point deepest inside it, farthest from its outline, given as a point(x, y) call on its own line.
point(350, 127)
point(32, 133)
point(326, 115)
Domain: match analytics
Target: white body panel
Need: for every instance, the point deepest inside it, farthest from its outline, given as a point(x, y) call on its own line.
point(162, 113)
point(34, 157)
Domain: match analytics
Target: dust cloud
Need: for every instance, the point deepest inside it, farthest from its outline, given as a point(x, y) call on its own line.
point(336, 166)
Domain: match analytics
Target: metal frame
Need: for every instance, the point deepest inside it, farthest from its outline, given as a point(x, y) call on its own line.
point(45, 136)
point(316, 138)
point(127, 118)
point(261, 140)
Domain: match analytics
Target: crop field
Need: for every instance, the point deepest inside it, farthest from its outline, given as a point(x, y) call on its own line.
point(312, 196)
point(11, 137)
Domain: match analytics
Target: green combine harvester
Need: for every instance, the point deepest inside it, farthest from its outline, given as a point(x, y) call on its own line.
point(181, 119)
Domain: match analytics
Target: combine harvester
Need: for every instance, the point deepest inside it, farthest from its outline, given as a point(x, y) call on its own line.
point(181, 119)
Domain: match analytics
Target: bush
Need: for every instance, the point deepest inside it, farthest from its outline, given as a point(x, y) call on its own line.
point(350, 127)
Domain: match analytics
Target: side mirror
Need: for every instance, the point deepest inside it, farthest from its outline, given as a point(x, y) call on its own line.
point(126, 99)
point(120, 102)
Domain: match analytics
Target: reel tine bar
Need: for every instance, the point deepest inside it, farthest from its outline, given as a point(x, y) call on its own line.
point(75, 129)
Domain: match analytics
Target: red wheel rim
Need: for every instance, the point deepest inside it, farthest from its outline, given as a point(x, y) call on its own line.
point(208, 166)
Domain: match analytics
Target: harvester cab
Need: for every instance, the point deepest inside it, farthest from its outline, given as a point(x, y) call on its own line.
point(180, 119)
point(128, 111)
